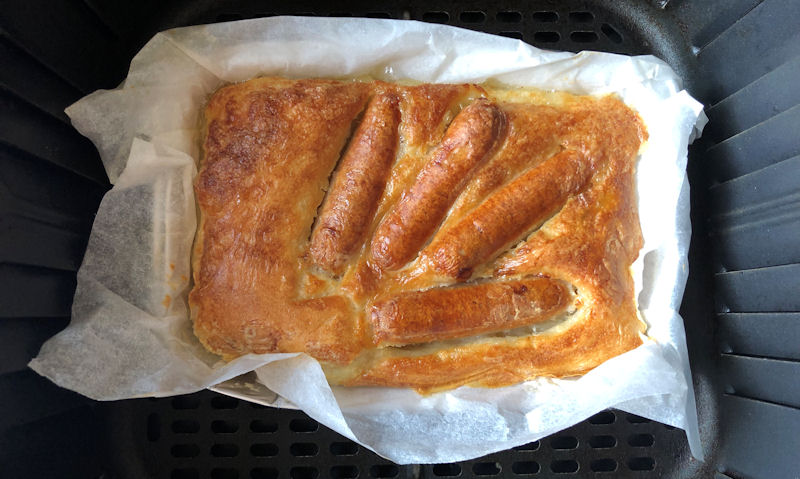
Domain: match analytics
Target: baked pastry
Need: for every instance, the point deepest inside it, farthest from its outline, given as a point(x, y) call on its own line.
point(426, 236)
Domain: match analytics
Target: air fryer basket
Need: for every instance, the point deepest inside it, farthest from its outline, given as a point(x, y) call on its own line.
point(741, 307)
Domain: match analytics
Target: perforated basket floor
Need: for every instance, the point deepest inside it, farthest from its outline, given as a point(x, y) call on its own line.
point(208, 435)
point(56, 51)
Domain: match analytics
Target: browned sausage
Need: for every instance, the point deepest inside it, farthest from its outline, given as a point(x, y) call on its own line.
point(467, 143)
point(357, 185)
point(455, 312)
point(518, 207)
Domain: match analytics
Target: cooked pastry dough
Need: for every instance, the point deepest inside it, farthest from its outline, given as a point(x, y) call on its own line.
point(425, 236)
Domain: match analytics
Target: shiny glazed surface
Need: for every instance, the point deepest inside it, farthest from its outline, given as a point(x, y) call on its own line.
point(426, 236)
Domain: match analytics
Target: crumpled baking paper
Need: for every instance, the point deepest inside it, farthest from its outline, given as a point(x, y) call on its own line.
point(131, 336)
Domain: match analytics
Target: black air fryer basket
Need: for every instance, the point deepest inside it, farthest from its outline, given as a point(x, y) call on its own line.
point(741, 58)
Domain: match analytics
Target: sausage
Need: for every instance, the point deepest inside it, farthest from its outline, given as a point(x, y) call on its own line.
point(459, 311)
point(506, 216)
point(466, 145)
point(357, 185)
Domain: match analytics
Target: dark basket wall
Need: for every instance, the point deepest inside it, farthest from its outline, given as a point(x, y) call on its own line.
point(742, 304)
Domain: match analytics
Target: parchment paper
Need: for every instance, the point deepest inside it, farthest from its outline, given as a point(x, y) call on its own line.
point(130, 334)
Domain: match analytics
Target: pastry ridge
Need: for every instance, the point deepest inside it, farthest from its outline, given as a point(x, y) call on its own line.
point(425, 236)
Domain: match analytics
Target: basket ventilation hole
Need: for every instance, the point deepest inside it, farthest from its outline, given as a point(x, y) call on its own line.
point(436, 17)
point(545, 17)
point(264, 450)
point(344, 472)
point(512, 34)
point(384, 470)
point(604, 417)
point(634, 419)
point(260, 426)
point(226, 473)
point(304, 449)
point(509, 17)
point(566, 466)
point(304, 473)
point(601, 442)
point(564, 442)
point(641, 440)
point(304, 425)
point(583, 37)
point(611, 33)
point(185, 426)
point(186, 473)
point(546, 37)
point(185, 450)
point(344, 448)
point(486, 468)
point(224, 427)
point(447, 470)
point(642, 464)
point(224, 450)
point(224, 402)
point(472, 17)
point(185, 402)
point(264, 473)
point(581, 17)
point(153, 427)
point(603, 465)
point(531, 446)
point(525, 467)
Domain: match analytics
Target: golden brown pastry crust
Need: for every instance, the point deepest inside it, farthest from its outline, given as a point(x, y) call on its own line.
point(469, 234)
